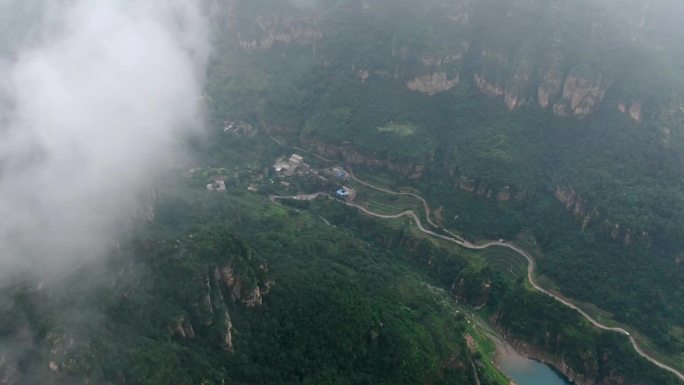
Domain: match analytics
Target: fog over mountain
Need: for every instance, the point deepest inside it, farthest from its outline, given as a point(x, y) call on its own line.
point(96, 104)
point(341, 192)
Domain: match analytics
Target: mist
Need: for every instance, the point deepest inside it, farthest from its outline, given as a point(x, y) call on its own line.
point(93, 107)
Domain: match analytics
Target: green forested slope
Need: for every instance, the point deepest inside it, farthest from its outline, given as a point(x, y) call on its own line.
point(543, 97)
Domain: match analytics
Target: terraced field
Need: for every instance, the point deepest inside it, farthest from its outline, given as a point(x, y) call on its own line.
point(505, 261)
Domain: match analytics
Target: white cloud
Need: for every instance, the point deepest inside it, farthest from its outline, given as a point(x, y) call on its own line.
point(96, 108)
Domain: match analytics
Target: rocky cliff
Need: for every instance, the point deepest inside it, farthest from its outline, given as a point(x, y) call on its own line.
point(433, 83)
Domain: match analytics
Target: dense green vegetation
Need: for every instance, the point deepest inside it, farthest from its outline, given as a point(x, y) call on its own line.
point(341, 310)
point(230, 288)
point(627, 173)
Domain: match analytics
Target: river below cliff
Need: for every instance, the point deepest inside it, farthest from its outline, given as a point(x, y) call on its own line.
point(524, 371)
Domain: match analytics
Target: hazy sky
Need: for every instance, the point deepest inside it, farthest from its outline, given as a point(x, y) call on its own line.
point(88, 114)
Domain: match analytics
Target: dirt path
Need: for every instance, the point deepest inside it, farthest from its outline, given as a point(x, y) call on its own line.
point(531, 266)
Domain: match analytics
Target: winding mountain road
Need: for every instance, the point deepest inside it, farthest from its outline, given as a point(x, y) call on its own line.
point(531, 266)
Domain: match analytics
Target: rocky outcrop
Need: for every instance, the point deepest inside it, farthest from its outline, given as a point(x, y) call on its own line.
point(482, 189)
point(253, 298)
point(433, 83)
point(236, 286)
point(487, 87)
point(504, 195)
point(512, 98)
point(227, 332)
point(184, 328)
point(549, 88)
point(277, 28)
point(571, 200)
point(634, 110)
point(580, 95)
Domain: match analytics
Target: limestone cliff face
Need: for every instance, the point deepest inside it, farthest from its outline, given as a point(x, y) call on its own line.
point(276, 29)
point(575, 95)
point(513, 98)
point(487, 87)
point(482, 189)
point(504, 195)
point(634, 110)
point(571, 95)
point(586, 215)
point(225, 288)
point(183, 328)
point(580, 95)
point(433, 83)
point(236, 289)
point(227, 332)
point(261, 31)
point(550, 87)
point(571, 200)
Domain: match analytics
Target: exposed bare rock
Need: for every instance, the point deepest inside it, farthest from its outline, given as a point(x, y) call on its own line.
point(183, 328)
point(227, 275)
point(280, 29)
point(588, 218)
point(580, 95)
point(572, 201)
point(364, 75)
point(634, 110)
point(254, 298)
point(227, 333)
point(487, 87)
point(433, 83)
point(504, 195)
point(207, 300)
point(622, 107)
point(549, 88)
point(467, 184)
point(512, 99)
point(236, 293)
point(267, 287)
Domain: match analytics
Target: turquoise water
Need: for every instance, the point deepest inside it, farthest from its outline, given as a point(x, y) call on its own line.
point(528, 372)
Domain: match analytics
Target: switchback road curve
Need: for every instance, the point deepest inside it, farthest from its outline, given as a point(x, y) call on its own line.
point(531, 266)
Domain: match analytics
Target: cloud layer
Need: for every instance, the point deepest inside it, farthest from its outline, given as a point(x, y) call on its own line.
point(88, 115)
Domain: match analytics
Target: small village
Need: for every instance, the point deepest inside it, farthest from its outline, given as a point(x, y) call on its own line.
point(286, 175)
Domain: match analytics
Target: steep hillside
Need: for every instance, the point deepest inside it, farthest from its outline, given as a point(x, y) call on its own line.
point(564, 120)
point(224, 289)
